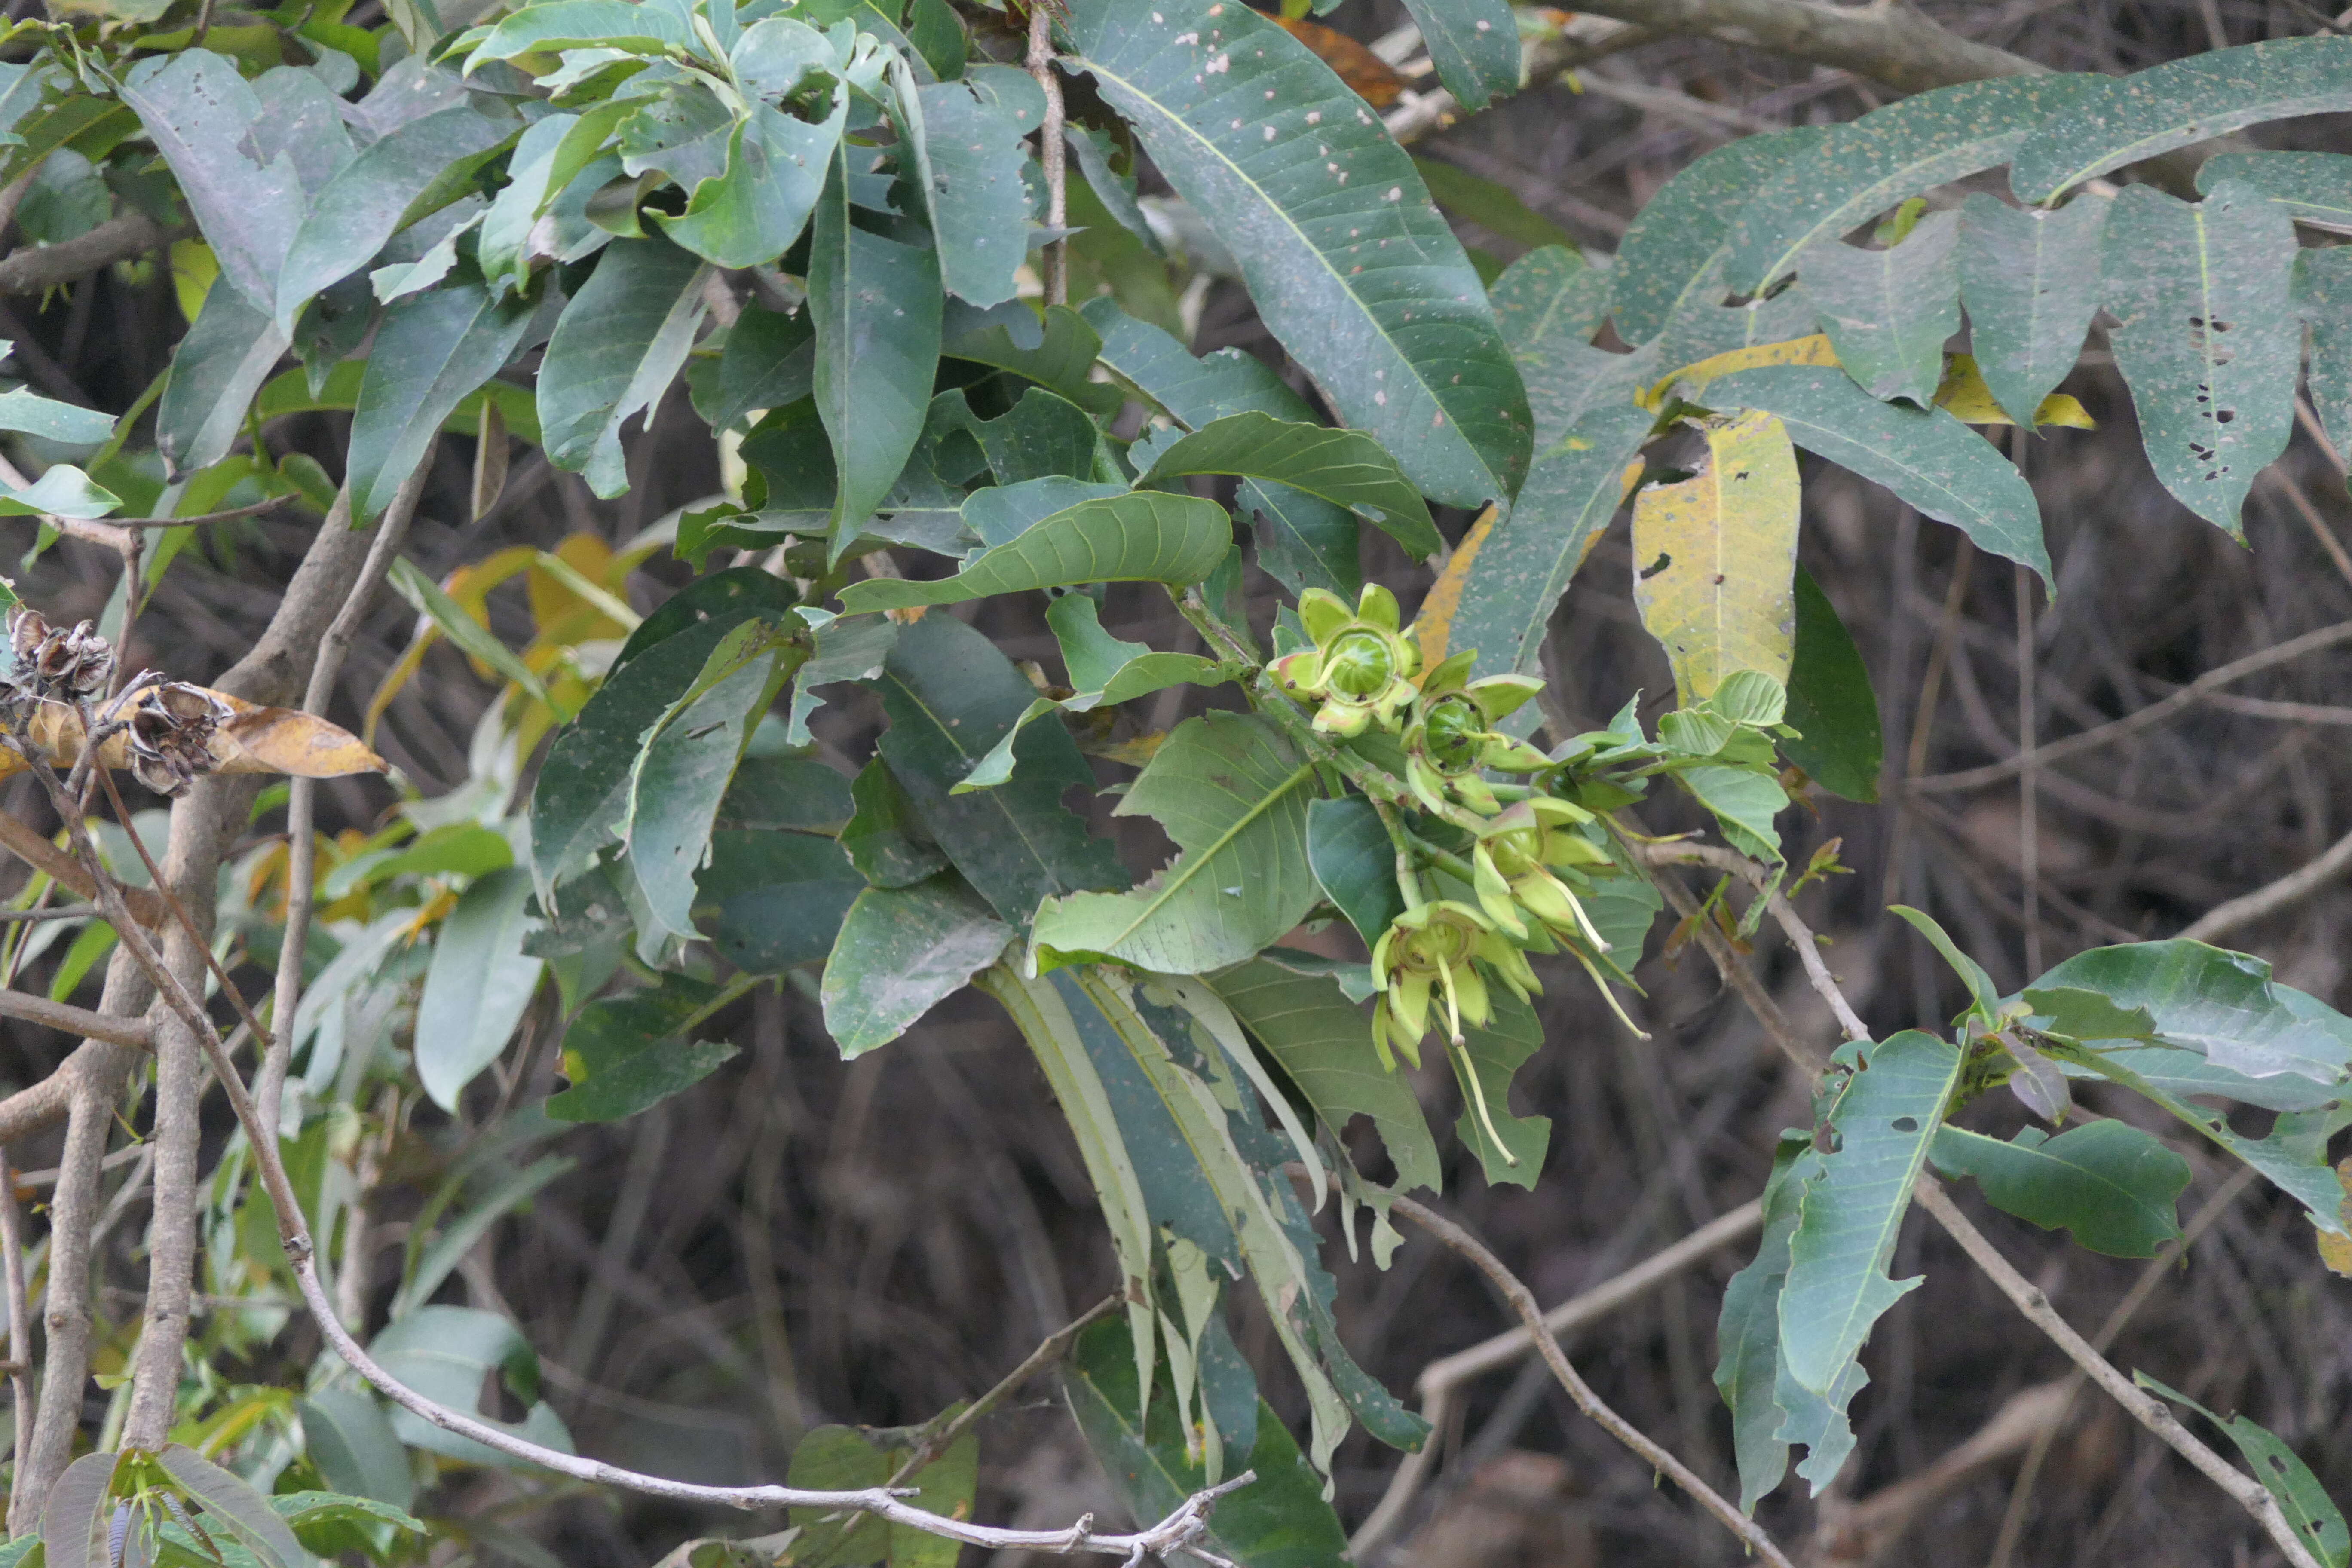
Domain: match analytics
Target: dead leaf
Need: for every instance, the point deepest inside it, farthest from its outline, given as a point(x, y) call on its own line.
point(1372, 78)
point(254, 739)
point(2336, 1251)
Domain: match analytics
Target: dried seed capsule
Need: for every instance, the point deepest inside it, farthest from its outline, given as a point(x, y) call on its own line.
point(169, 736)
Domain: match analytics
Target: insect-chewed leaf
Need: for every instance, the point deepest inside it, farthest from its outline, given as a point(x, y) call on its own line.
point(615, 349)
point(2313, 187)
point(1348, 262)
point(2317, 1522)
point(2110, 1184)
point(1747, 1333)
point(1495, 1053)
point(1888, 312)
point(1678, 236)
point(1353, 859)
point(2205, 999)
point(2107, 122)
point(1715, 557)
point(2029, 279)
point(968, 157)
point(902, 952)
point(2205, 337)
point(197, 107)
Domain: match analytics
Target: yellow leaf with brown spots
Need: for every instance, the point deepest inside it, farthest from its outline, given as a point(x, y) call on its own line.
point(1715, 558)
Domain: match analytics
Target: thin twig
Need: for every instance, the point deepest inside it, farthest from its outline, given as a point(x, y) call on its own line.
point(302, 794)
point(41, 854)
point(231, 515)
point(1052, 1348)
point(135, 1033)
point(1784, 914)
point(60, 912)
point(2271, 898)
point(1523, 1302)
point(1052, 155)
point(2143, 1407)
point(20, 1330)
point(2029, 816)
point(1922, 717)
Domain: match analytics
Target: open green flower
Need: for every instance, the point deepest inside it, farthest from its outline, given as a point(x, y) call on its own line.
point(1453, 736)
point(1516, 859)
point(1436, 951)
point(1360, 669)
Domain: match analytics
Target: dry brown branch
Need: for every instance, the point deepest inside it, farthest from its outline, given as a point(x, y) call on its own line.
point(1890, 43)
point(20, 1327)
point(131, 1032)
point(1864, 1532)
point(36, 269)
point(2271, 898)
point(1801, 936)
point(1050, 1350)
point(61, 867)
point(1053, 155)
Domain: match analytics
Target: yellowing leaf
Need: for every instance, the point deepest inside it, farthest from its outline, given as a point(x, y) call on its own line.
point(252, 740)
point(1964, 395)
point(2336, 1251)
point(1715, 559)
point(1434, 624)
point(1692, 379)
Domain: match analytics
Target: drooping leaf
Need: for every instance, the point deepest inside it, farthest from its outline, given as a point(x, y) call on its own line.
point(1494, 1052)
point(75, 1514)
point(1830, 703)
point(1747, 1332)
point(1138, 537)
point(875, 305)
point(2205, 337)
point(1744, 801)
point(380, 191)
point(1355, 863)
point(771, 900)
point(1323, 1041)
point(2315, 187)
point(446, 1353)
point(2319, 1522)
point(198, 110)
point(2286, 1160)
point(353, 1447)
point(967, 159)
point(432, 349)
point(1984, 994)
point(850, 648)
point(770, 362)
point(1232, 791)
point(950, 696)
point(228, 1499)
point(1888, 312)
point(752, 212)
point(884, 838)
point(478, 984)
point(1279, 1520)
point(617, 347)
point(2108, 1181)
point(1677, 240)
point(2029, 278)
point(1715, 557)
point(216, 369)
point(575, 24)
point(2323, 298)
point(1491, 204)
point(2108, 122)
point(903, 951)
point(1337, 250)
point(1925, 455)
point(1860, 169)
point(2200, 998)
point(1838, 1256)
point(1345, 467)
point(432, 602)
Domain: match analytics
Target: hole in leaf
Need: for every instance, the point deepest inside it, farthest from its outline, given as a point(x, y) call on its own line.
point(1906, 1124)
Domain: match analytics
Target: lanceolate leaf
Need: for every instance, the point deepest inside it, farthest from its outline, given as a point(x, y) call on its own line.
point(1232, 791)
point(2317, 1522)
point(1345, 467)
point(228, 1499)
point(950, 696)
point(902, 951)
point(1344, 256)
point(2313, 187)
point(2108, 122)
point(2029, 279)
point(1714, 558)
point(197, 109)
point(1319, 1038)
point(1138, 537)
point(968, 157)
point(2204, 999)
point(2110, 1184)
point(1830, 703)
point(1747, 1334)
point(1671, 249)
point(876, 304)
point(1837, 1285)
point(432, 349)
point(477, 987)
point(216, 369)
point(2323, 298)
point(1925, 455)
point(1860, 169)
point(1549, 303)
point(1355, 861)
point(75, 1514)
point(1474, 44)
point(2205, 337)
point(615, 349)
point(1888, 312)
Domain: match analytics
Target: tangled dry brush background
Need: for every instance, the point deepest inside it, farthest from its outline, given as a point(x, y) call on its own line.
point(800, 1241)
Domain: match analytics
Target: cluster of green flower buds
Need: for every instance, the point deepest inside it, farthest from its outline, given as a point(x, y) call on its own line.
point(1359, 673)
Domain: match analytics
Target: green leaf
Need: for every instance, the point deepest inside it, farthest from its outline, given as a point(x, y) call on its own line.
point(1061, 359)
point(62, 491)
point(1837, 1285)
point(74, 1516)
point(902, 952)
point(770, 362)
point(2205, 337)
point(1323, 1042)
point(750, 214)
point(1232, 791)
point(1743, 801)
point(966, 141)
point(216, 369)
point(1474, 44)
point(2029, 279)
point(1279, 1520)
point(313, 1509)
point(446, 1353)
point(617, 347)
point(950, 696)
point(2220, 1003)
point(1355, 863)
point(1830, 703)
point(1548, 304)
point(771, 900)
point(382, 191)
point(228, 1499)
point(431, 352)
point(2319, 1522)
point(1141, 537)
point(2314, 188)
point(641, 1082)
point(797, 794)
point(52, 420)
point(353, 1447)
point(1349, 265)
point(576, 23)
point(681, 771)
point(1888, 312)
point(849, 648)
point(1860, 169)
point(1925, 455)
point(1489, 203)
point(428, 1266)
point(1985, 994)
point(2323, 298)
point(2108, 122)
point(1747, 1332)
point(2113, 1186)
point(876, 304)
point(199, 111)
point(291, 393)
point(1495, 1053)
point(2188, 1073)
point(884, 838)
point(477, 987)
point(1670, 253)
point(475, 640)
point(1345, 467)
